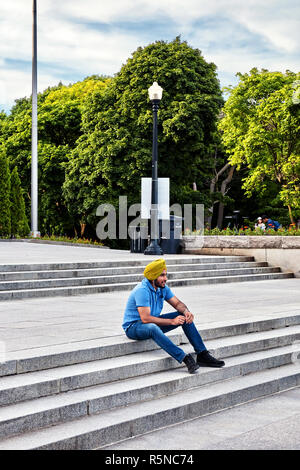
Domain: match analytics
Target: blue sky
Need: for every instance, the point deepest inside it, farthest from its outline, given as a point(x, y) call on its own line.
point(79, 38)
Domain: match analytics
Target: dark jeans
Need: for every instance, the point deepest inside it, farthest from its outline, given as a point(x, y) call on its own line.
point(140, 330)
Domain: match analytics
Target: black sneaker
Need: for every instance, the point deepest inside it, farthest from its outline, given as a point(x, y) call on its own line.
point(207, 360)
point(190, 363)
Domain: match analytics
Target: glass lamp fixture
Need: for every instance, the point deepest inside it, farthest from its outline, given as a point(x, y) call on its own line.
point(155, 92)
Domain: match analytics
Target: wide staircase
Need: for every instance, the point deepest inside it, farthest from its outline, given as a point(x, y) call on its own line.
point(55, 279)
point(110, 389)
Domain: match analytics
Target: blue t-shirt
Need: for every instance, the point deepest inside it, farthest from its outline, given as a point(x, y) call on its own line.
point(273, 224)
point(144, 295)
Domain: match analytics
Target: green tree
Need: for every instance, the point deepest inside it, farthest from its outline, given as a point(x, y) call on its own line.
point(19, 222)
point(59, 126)
point(3, 118)
point(261, 131)
point(115, 150)
point(5, 225)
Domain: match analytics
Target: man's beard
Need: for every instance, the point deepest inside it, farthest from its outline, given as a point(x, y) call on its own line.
point(158, 285)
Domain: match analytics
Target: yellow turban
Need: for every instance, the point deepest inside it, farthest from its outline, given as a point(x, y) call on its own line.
point(154, 269)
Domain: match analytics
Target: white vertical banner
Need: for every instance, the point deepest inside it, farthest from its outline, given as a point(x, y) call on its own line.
point(163, 198)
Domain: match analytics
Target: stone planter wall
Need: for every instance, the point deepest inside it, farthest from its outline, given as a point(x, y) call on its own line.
point(275, 250)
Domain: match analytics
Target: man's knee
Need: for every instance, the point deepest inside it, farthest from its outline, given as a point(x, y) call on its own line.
point(153, 329)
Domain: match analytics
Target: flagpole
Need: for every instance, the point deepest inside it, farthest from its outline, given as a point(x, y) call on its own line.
point(34, 132)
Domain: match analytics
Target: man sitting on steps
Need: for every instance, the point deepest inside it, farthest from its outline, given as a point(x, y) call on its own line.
point(143, 319)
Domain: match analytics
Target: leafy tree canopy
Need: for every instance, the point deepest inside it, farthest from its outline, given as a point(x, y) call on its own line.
point(59, 127)
point(261, 130)
point(115, 150)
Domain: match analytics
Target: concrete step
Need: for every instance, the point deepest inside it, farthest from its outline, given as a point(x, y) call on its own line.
point(21, 387)
point(42, 358)
point(125, 278)
point(92, 289)
point(36, 414)
point(117, 271)
point(61, 279)
point(95, 431)
point(184, 259)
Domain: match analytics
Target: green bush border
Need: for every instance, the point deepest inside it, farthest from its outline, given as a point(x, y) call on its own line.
point(58, 238)
point(245, 231)
point(61, 238)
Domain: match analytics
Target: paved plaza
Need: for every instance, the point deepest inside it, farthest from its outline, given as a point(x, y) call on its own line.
point(42, 324)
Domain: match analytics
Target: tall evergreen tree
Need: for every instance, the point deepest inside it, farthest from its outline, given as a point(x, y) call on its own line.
point(19, 222)
point(5, 226)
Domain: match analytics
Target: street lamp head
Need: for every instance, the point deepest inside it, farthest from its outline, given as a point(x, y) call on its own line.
point(155, 92)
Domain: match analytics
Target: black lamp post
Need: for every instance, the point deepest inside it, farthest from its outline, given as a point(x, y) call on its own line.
point(155, 95)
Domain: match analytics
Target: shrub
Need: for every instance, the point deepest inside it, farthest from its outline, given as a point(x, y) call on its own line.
point(5, 223)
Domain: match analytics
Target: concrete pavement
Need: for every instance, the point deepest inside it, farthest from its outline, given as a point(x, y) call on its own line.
point(39, 324)
point(44, 322)
point(35, 252)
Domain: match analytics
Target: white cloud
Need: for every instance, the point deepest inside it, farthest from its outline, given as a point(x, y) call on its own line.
point(230, 33)
point(15, 79)
point(80, 48)
point(241, 62)
point(278, 21)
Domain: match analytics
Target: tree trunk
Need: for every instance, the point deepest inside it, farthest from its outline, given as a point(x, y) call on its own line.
point(212, 190)
point(291, 215)
point(223, 191)
point(82, 228)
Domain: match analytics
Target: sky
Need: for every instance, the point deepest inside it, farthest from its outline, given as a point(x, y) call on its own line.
point(78, 38)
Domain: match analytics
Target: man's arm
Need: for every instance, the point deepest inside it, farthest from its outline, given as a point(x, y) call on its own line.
point(181, 308)
point(146, 317)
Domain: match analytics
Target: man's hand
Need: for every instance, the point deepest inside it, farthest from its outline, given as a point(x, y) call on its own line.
point(146, 317)
point(182, 308)
point(189, 317)
point(179, 320)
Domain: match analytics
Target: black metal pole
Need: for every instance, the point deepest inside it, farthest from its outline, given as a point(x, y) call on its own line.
point(154, 248)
